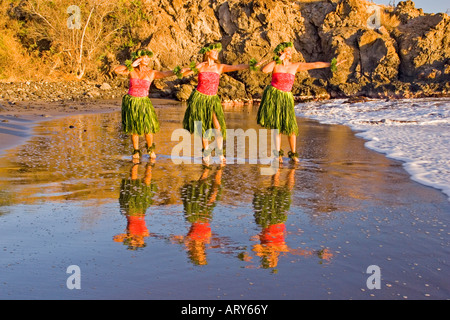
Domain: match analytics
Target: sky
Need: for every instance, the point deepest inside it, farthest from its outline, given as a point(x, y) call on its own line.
point(428, 6)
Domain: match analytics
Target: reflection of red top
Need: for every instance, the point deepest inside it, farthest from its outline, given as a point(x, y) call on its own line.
point(273, 234)
point(200, 231)
point(139, 87)
point(283, 81)
point(208, 83)
point(136, 225)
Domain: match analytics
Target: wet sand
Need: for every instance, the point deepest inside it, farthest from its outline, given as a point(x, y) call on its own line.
point(17, 120)
point(166, 231)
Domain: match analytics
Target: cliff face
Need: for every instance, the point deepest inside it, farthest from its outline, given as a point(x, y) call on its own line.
point(388, 51)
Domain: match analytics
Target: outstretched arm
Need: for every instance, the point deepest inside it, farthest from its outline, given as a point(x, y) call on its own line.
point(122, 70)
point(312, 65)
point(163, 74)
point(188, 71)
point(315, 65)
point(192, 69)
point(268, 68)
point(125, 70)
point(236, 67)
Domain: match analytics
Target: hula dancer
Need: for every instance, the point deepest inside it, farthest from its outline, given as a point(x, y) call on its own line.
point(271, 206)
point(276, 110)
point(138, 114)
point(204, 104)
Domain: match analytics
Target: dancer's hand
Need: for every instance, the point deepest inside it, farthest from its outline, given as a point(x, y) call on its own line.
point(261, 63)
point(136, 63)
point(201, 64)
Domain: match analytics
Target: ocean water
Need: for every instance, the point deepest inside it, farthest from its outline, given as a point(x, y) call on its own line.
point(414, 131)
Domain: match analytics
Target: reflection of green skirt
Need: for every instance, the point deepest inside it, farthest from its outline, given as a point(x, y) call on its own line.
point(276, 111)
point(271, 205)
point(135, 196)
point(138, 115)
point(196, 197)
point(201, 107)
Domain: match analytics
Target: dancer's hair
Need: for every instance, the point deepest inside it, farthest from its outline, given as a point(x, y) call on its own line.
point(210, 47)
point(280, 48)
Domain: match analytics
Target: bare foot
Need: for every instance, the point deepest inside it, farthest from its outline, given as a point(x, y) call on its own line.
point(294, 157)
point(136, 156)
point(223, 160)
point(136, 160)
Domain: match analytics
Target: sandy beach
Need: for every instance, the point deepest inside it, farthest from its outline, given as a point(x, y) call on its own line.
point(308, 232)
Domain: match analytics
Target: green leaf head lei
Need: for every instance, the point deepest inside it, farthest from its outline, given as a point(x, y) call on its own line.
point(213, 46)
point(136, 55)
point(141, 53)
point(279, 49)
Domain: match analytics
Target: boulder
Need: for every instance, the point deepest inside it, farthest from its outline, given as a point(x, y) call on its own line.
point(183, 91)
point(423, 44)
point(105, 86)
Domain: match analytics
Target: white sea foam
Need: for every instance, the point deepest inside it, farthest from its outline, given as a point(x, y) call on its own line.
point(415, 131)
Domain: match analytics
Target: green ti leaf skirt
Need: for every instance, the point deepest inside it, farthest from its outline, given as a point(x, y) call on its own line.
point(138, 115)
point(201, 107)
point(276, 111)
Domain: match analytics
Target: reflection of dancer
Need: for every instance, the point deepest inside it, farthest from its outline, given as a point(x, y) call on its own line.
point(138, 114)
point(276, 110)
point(204, 104)
point(271, 208)
point(136, 195)
point(199, 199)
point(271, 211)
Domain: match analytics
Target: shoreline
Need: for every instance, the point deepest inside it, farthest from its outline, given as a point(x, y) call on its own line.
point(400, 130)
point(85, 91)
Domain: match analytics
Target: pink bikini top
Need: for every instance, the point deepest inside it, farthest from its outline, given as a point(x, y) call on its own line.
point(208, 83)
point(283, 81)
point(139, 87)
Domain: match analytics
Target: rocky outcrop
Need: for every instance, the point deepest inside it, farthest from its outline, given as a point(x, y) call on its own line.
point(405, 53)
point(370, 54)
point(388, 51)
point(424, 47)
